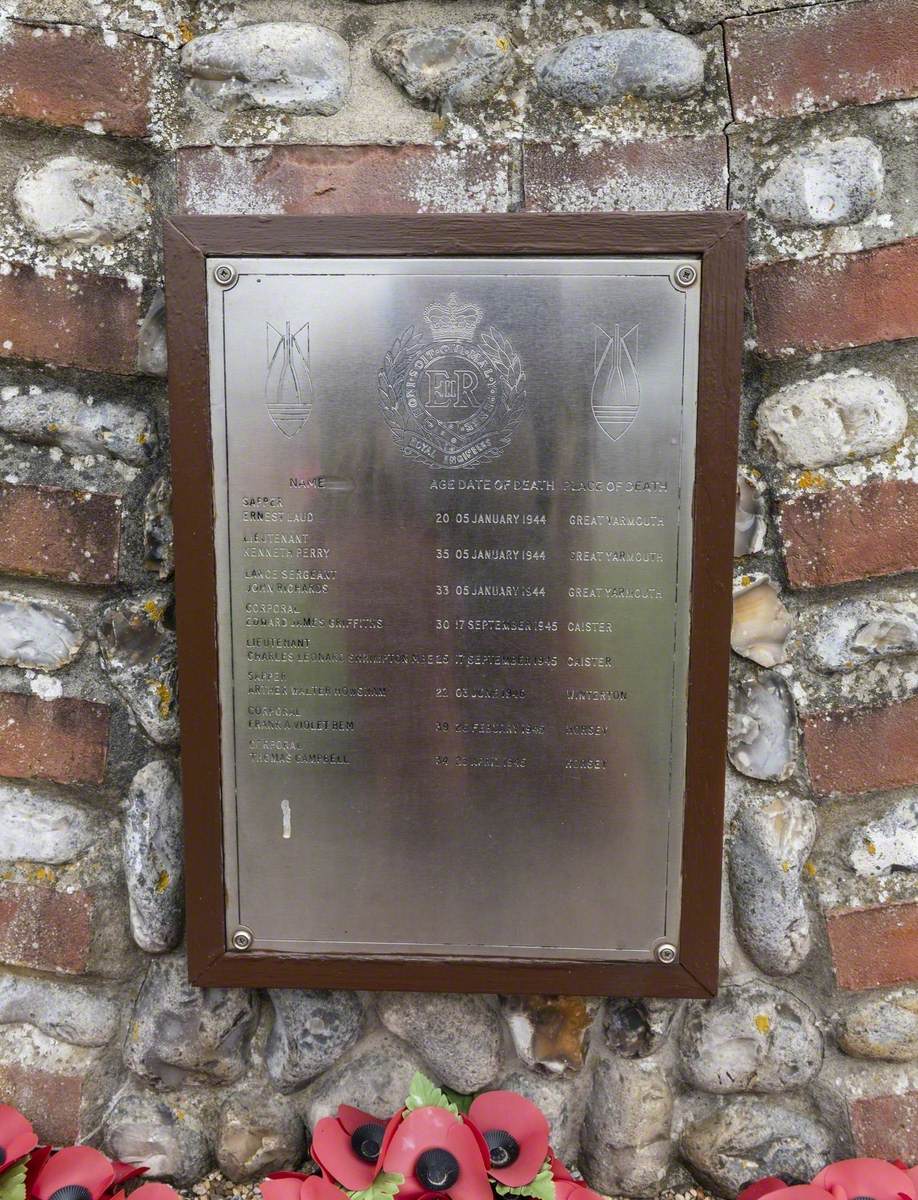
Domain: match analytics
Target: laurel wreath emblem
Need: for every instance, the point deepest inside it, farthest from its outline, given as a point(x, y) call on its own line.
point(503, 358)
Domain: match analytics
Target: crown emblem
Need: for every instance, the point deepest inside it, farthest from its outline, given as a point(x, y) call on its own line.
point(454, 319)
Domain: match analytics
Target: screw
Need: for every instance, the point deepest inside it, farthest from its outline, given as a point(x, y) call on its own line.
point(243, 938)
point(225, 274)
point(685, 275)
point(666, 953)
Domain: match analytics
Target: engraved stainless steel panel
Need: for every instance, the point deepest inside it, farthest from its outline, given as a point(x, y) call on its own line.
point(453, 540)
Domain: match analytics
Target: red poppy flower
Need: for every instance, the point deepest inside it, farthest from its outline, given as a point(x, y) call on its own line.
point(349, 1148)
point(290, 1185)
point(17, 1137)
point(857, 1177)
point(516, 1134)
point(75, 1173)
point(438, 1152)
point(558, 1169)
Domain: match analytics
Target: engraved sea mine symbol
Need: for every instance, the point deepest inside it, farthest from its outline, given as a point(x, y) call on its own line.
point(288, 385)
point(616, 395)
point(452, 401)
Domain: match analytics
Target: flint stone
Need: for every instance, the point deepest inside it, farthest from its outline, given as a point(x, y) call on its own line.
point(76, 200)
point(448, 66)
point(858, 631)
point(151, 338)
point(637, 1028)
point(882, 1027)
point(63, 419)
point(157, 529)
point(258, 1134)
point(311, 1030)
point(458, 1036)
point(762, 727)
point(594, 70)
point(376, 1081)
point(771, 843)
point(561, 1100)
point(288, 66)
point(138, 655)
point(749, 1139)
point(625, 1143)
point(143, 1129)
point(182, 1034)
point(551, 1032)
point(890, 843)
point(72, 1013)
point(752, 1038)
point(829, 183)
point(750, 524)
point(38, 828)
point(820, 422)
point(153, 859)
point(37, 635)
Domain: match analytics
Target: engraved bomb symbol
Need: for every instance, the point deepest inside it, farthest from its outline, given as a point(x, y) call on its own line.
point(616, 395)
point(288, 386)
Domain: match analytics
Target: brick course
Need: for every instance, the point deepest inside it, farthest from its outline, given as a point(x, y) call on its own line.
point(886, 1127)
point(821, 57)
point(874, 947)
point(65, 740)
point(863, 750)
point(69, 319)
point(678, 172)
point(74, 76)
point(51, 1099)
point(850, 533)
point(44, 928)
point(341, 180)
point(53, 533)
point(842, 300)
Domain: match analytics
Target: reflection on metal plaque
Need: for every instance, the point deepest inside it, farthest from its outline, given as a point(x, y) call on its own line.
point(449, 400)
point(453, 619)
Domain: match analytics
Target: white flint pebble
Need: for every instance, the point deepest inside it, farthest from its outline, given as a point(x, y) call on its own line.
point(77, 200)
point(37, 635)
point(832, 419)
point(62, 419)
point(289, 66)
point(828, 183)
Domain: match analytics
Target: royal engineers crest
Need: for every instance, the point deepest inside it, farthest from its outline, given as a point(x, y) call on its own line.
point(454, 401)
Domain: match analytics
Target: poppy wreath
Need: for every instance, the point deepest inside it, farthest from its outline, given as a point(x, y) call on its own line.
point(439, 1146)
point(32, 1172)
point(851, 1179)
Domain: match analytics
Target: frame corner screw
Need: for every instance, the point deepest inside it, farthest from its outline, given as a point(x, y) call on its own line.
point(242, 938)
point(666, 953)
point(685, 275)
point(225, 275)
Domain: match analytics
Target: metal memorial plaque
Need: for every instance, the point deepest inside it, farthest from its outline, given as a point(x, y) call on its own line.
point(453, 546)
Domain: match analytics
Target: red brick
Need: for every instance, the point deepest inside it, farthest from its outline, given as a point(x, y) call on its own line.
point(806, 59)
point(53, 533)
point(43, 928)
point(65, 739)
point(342, 179)
point(886, 1127)
point(50, 1100)
point(70, 75)
point(874, 947)
point(863, 750)
point(849, 533)
point(69, 319)
point(676, 173)
point(842, 300)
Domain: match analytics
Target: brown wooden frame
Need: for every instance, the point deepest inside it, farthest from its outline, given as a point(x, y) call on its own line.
point(718, 238)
